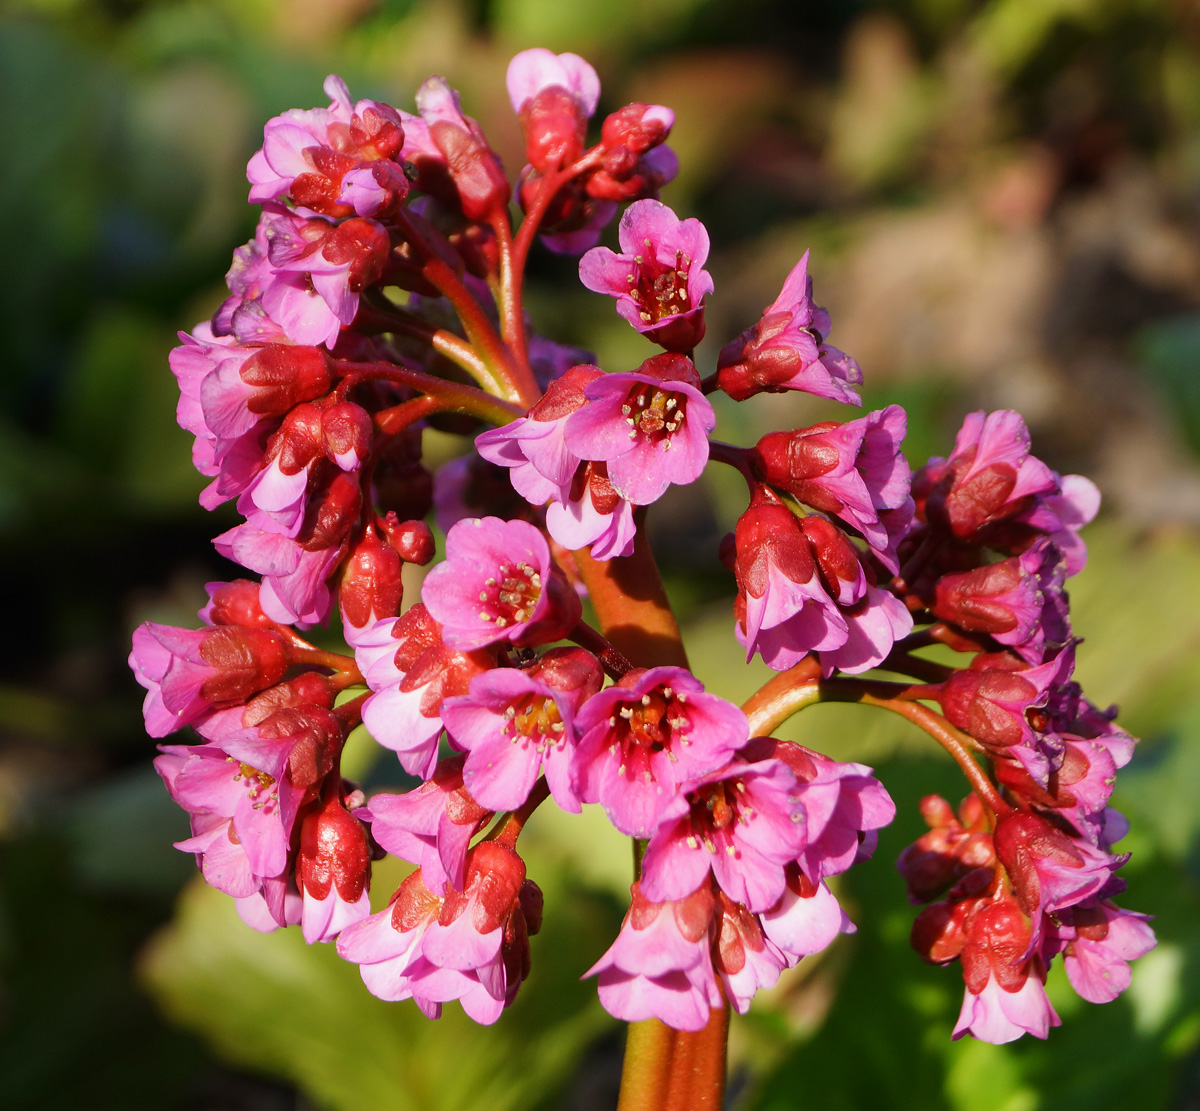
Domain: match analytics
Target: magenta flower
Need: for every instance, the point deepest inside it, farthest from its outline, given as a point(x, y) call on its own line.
point(593, 513)
point(786, 350)
point(783, 608)
point(306, 155)
point(498, 583)
point(431, 826)
point(997, 1015)
point(651, 427)
point(659, 279)
point(992, 490)
point(387, 946)
point(242, 315)
point(333, 871)
point(742, 822)
point(532, 71)
point(1051, 871)
point(190, 672)
point(320, 270)
point(534, 447)
point(806, 918)
point(844, 806)
point(243, 795)
point(1006, 995)
point(1101, 941)
point(471, 176)
point(854, 471)
point(744, 957)
point(471, 946)
point(516, 724)
point(660, 965)
point(644, 737)
point(554, 95)
point(411, 671)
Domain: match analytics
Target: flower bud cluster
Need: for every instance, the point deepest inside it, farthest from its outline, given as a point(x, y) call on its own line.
point(383, 275)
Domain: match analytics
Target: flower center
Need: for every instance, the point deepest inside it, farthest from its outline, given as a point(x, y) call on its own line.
point(656, 414)
point(258, 784)
point(534, 717)
point(660, 290)
point(656, 722)
point(511, 596)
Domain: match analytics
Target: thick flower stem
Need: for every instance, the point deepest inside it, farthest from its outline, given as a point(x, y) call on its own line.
point(632, 607)
point(802, 686)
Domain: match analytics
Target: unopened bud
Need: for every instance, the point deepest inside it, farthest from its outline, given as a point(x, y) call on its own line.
point(283, 376)
point(235, 603)
point(412, 541)
point(244, 661)
point(637, 127)
point(371, 588)
point(347, 433)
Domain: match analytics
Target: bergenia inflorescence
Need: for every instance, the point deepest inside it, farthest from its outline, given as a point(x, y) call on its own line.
point(382, 291)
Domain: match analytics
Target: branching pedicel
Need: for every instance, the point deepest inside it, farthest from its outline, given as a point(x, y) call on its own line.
point(383, 287)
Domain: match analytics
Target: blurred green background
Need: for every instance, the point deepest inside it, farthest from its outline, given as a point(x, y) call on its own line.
point(1003, 201)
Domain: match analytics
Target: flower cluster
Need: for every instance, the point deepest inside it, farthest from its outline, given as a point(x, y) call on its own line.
point(383, 290)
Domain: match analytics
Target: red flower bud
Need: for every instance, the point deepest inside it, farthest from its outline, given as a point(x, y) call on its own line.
point(244, 660)
point(371, 588)
point(283, 376)
point(334, 852)
point(412, 541)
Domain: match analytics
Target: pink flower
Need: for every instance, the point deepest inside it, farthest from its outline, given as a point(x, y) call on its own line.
point(532, 71)
point(854, 471)
point(411, 671)
point(1005, 995)
point(472, 946)
point(306, 155)
point(1102, 941)
point(659, 279)
point(651, 427)
point(320, 270)
point(593, 513)
point(995, 700)
point(644, 737)
point(783, 608)
point(742, 822)
point(1051, 871)
point(472, 178)
point(660, 965)
point(786, 350)
point(554, 95)
point(431, 826)
point(806, 919)
point(534, 447)
point(333, 871)
point(744, 957)
point(498, 583)
point(243, 795)
point(844, 805)
point(515, 724)
point(190, 672)
point(992, 490)
point(997, 1015)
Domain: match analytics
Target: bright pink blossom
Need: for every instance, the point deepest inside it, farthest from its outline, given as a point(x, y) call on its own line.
point(742, 822)
point(644, 737)
point(659, 279)
point(498, 583)
point(855, 471)
point(651, 427)
point(660, 965)
point(786, 350)
point(411, 671)
point(190, 672)
point(431, 826)
point(1101, 941)
point(517, 724)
